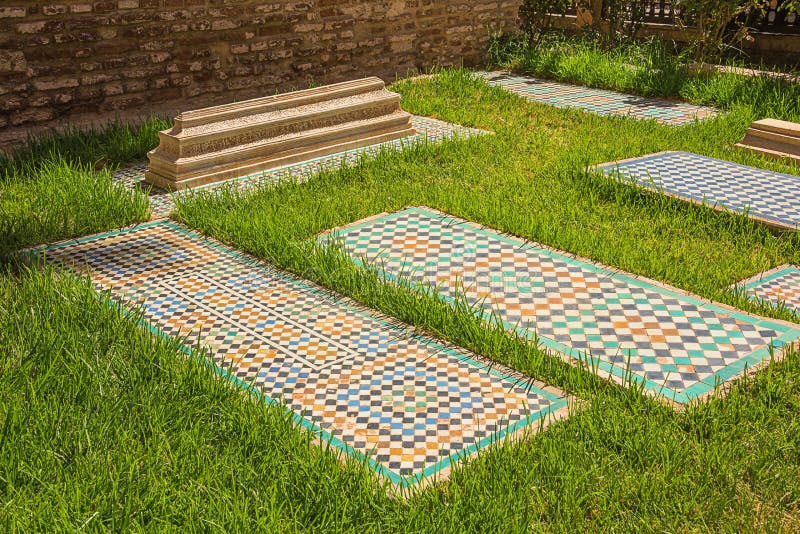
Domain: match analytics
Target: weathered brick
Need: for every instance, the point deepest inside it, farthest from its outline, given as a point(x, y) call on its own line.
point(113, 89)
point(60, 57)
point(12, 61)
point(80, 8)
point(105, 6)
point(31, 27)
point(31, 115)
point(58, 83)
point(54, 9)
point(12, 12)
point(11, 104)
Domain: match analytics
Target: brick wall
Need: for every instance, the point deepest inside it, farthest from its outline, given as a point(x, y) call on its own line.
point(82, 61)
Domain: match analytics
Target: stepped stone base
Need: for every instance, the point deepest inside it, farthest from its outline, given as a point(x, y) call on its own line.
point(234, 140)
point(774, 138)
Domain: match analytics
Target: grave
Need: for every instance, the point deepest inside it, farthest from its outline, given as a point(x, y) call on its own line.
point(764, 196)
point(598, 101)
point(676, 345)
point(218, 143)
point(366, 385)
point(779, 286)
point(773, 138)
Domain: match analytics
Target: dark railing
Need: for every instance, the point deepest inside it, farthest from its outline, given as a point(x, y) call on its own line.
point(775, 19)
point(660, 12)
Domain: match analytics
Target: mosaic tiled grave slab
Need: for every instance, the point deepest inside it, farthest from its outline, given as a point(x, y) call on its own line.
point(372, 388)
point(675, 344)
point(599, 101)
point(430, 130)
point(780, 286)
point(766, 196)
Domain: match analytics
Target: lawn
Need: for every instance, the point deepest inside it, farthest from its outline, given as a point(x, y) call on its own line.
point(104, 427)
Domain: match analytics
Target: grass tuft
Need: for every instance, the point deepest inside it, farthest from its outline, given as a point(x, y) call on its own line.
point(648, 68)
point(103, 426)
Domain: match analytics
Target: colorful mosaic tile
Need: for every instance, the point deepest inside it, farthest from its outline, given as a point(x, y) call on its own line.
point(675, 344)
point(767, 196)
point(430, 130)
point(780, 286)
point(598, 101)
point(408, 404)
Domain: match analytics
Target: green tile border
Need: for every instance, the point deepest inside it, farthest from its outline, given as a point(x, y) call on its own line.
point(403, 482)
point(788, 333)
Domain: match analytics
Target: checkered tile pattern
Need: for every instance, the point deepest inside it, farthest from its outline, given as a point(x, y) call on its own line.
point(598, 101)
point(674, 344)
point(780, 286)
point(758, 193)
point(408, 404)
point(430, 130)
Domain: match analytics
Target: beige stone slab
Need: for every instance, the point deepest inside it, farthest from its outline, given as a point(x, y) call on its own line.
point(223, 142)
point(778, 126)
point(773, 138)
point(766, 137)
point(774, 154)
point(244, 108)
point(251, 166)
point(167, 164)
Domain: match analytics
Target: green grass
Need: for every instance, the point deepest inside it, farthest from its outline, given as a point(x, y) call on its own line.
point(526, 179)
point(109, 145)
point(57, 200)
point(103, 423)
point(105, 427)
point(649, 68)
point(59, 185)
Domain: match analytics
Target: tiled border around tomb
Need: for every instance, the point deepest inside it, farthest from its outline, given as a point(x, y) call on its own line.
point(432, 130)
point(765, 196)
point(677, 345)
point(599, 101)
point(407, 405)
point(778, 286)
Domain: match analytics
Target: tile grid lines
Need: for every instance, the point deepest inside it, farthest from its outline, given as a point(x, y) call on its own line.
point(615, 169)
point(699, 391)
point(598, 101)
point(779, 287)
point(558, 410)
point(765, 276)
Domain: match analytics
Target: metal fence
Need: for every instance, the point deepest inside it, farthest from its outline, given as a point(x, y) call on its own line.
point(777, 20)
point(774, 19)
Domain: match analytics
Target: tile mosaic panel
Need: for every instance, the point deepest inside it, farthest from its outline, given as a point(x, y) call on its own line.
point(767, 196)
point(408, 404)
point(676, 345)
point(598, 101)
point(780, 286)
point(430, 130)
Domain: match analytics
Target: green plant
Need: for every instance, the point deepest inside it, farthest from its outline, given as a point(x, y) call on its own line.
point(106, 427)
point(50, 199)
point(621, 19)
point(713, 25)
point(537, 16)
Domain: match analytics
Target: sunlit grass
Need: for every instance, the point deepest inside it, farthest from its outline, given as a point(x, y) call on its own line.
point(53, 199)
point(649, 68)
point(59, 185)
point(106, 427)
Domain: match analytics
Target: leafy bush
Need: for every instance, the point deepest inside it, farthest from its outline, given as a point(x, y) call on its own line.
point(622, 18)
point(715, 25)
point(537, 16)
